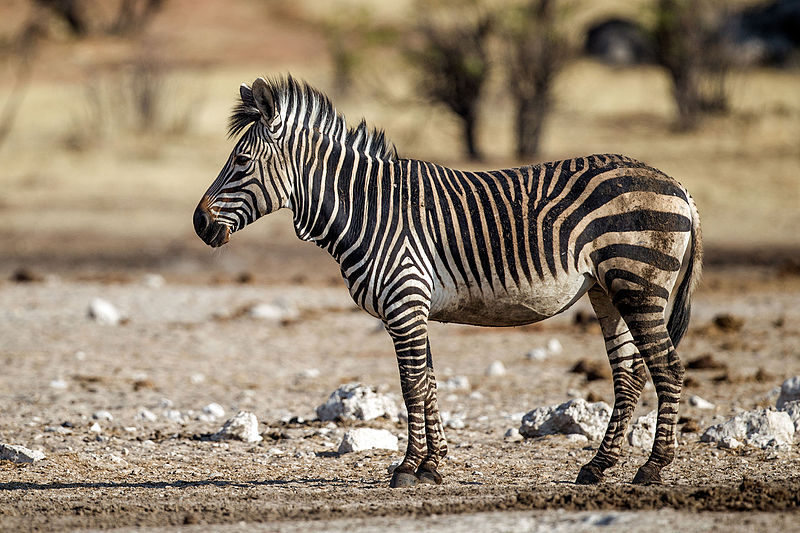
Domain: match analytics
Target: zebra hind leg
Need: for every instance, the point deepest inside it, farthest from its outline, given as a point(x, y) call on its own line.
point(434, 432)
point(409, 333)
point(629, 378)
point(644, 315)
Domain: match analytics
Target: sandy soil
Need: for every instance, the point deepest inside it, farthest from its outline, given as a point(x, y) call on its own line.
point(185, 346)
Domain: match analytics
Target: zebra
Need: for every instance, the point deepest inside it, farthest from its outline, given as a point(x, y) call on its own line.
point(419, 242)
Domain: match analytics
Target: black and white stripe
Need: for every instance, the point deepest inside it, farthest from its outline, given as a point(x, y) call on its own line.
point(418, 241)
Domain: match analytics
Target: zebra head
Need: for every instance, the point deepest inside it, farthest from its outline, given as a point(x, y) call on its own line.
point(254, 181)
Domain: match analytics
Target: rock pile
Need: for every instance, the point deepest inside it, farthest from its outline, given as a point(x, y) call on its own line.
point(577, 416)
point(354, 401)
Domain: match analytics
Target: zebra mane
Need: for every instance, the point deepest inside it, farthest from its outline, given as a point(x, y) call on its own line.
point(319, 113)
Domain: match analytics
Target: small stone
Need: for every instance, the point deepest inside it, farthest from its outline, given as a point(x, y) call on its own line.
point(58, 384)
point(174, 415)
point(214, 409)
point(19, 454)
point(277, 312)
point(729, 443)
point(360, 439)
point(577, 438)
point(537, 354)
point(103, 415)
point(593, 370)
point(146, 415)
point(497, 368)
point(393, 465)
point(453, 421)
point(790, 392)
point(643, 431)
point(243, 426)
point(95, 428)
point(574, 416)
point(197, 378)
point(513, 435)
point(153, 281)
point(554, 346)
point(700, 403)
point(103, 312)
point(310, 373)
point(455, 383)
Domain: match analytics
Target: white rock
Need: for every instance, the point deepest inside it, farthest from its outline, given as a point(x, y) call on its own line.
point(393, 465)
point(103, 312)
point(214, 409)
point(790, 392)
point(554, 346)
point(452, 420)
point(197, 378)
point(700, 403)
point(577, 438)
point(103, 415)
point(95, 428)
point(277, 311)
point(537, 354)
point(243, 426)
point(643, 431)
point(154, 281)
point(513, 435)
point(761, 429)
point(729, 443)
point(455, 383)
point(310, 373)
point(58, 384)
point(146, 415)
point(575, 416)
point(360, 439)
point(174, 415)
point(793, 410)
point(19, 454)
point(354, 401)
point(497, 368)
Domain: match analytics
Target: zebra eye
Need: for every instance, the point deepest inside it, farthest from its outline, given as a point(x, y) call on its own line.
point(241, 160)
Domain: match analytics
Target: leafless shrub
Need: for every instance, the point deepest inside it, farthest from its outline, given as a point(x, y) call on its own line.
point(84, 17)
point(537, 50)
point(690, 46)
point(452, 57)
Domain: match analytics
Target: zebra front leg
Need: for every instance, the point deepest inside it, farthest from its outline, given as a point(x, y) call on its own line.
point(434, 432)
point(629, 378)
point(410, 336)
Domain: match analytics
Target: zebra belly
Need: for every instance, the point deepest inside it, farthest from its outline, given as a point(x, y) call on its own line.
point(513, 306)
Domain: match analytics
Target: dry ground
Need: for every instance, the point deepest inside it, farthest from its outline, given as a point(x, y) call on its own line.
point(185, 346)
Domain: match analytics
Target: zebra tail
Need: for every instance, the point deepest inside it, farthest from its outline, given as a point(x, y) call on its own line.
point(678, 322)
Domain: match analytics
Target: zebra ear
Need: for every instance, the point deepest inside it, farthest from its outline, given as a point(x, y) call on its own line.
point(247, 95)
point(264, 100)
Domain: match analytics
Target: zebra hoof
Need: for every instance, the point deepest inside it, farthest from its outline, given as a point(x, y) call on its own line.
point(431, 477)
point(403, 479)
point(589, 475)
point(648, 475)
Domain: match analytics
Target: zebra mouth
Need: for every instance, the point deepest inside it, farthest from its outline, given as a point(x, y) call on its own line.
point(218, 235)
point(212, 232)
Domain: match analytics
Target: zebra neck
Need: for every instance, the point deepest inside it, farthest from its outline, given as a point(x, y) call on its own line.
point(338, 197)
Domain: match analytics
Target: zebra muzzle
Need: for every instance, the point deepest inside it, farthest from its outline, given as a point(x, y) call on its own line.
point(209, 230)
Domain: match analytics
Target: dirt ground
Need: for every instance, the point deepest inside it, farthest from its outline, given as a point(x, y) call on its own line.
point(186, 345)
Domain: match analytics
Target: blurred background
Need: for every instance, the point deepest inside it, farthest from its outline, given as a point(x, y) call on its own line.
point(113, 114)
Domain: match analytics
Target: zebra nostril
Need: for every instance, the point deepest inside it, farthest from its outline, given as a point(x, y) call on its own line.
point(202, 221)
